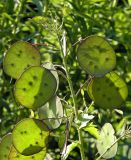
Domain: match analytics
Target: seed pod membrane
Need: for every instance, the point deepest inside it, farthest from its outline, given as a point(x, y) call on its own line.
point(35, 87)
point(19, 57)
point(30, 136)
point(96, 56)
point(109, 91)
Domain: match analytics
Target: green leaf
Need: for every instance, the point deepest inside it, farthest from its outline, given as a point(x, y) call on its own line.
point(96, 56)
point(106, 140)
point(52, 112)
point(70, 147)
point(84, 119)
point(5, 145)
point(14, 155)
point(30, 136)
point(91, 129)
point(35, 87)
point(20, 56)
point(109, 91)
point(61, 141)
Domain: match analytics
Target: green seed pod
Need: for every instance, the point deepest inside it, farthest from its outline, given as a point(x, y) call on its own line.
point(14, 155)
point(35, 87)
point(106, 140)
point(5, 145)
point(20, 56)
point(109, 91)
point(30, 136)
point(52, 112)
point(96, 56)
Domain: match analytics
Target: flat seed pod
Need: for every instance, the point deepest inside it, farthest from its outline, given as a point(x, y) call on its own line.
point(5, 145)
point(51, 67)
point(30, 136)
point(105, 141)
point(53, 112)
point(96, 56)
point(109, 91)
point(14, 155)
point(20, 56)
point(35, 87)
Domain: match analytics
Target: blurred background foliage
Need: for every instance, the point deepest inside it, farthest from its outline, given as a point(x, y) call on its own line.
point(79, 18)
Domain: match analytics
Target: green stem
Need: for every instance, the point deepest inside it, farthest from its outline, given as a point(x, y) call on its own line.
point(63, 52)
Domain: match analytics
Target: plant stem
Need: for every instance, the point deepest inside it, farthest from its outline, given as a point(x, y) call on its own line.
point(63, 54)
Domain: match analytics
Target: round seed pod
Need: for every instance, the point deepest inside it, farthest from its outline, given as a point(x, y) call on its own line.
point(109, 91)
point(14, 155)
point(96, 56)
point(35, 87)
point(5, 145)
point(30, 136)
point(52, 112)
point(20, 56)
point(105, 141)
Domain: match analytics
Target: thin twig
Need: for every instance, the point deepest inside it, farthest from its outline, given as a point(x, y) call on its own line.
point(77, 93)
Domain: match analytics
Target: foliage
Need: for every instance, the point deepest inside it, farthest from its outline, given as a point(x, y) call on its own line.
point(56, 28)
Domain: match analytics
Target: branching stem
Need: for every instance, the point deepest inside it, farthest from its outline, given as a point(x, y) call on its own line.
point(63, 54)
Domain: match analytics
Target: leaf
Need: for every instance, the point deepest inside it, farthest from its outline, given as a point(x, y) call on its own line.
point(109, 91)
point(35, 87)
point(105, 142)
point(91, 129)
point(70, 147)
point(96, 56)
point(61, 141)
point(5, 145)
point(20, 56)
point(30, 136)
point(52, 112)
point(84, 119)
